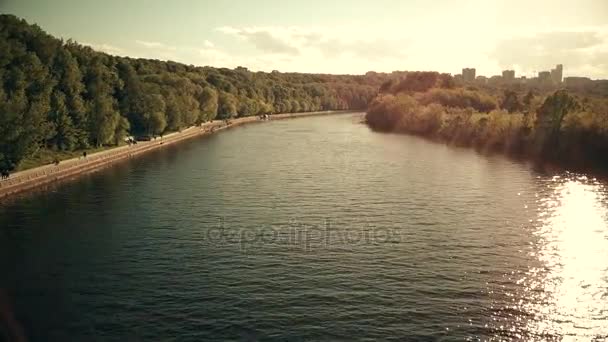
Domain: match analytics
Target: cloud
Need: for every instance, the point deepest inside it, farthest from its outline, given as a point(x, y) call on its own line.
point(215, 57)
point(228, 30)
point(356, 49)
point(155, 45)
point(329, 41)
point(288, 49)
point(583, 52)
point(107, 48)
point(370, 49)
point(264, 39)
point(158, 50)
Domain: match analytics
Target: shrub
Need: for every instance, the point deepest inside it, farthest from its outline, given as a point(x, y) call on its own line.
point(459, 98)
point(559, 128)
point(391, 112)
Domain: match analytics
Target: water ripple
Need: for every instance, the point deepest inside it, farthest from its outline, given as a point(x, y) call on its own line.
point(311, 229)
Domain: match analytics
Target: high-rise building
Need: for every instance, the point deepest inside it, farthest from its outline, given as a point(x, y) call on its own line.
point(556, 74)
point(577, 82)
point(495, 80)
point(508, 76)
point(544, 77)
point(468, 74)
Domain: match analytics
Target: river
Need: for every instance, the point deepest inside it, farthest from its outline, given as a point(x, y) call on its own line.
point(310, 229)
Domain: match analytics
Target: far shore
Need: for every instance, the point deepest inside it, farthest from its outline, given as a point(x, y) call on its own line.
point(71, 168)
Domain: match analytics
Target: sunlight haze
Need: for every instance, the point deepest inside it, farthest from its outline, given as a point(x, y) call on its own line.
point(242, 170)
point(340, 36)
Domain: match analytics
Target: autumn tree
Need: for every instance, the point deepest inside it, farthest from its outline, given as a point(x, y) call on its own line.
point(510, 101)
point(550, 116)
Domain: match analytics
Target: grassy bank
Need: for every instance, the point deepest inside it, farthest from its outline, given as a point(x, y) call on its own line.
point(555, 126)
point(68, 169)
point(47, 156)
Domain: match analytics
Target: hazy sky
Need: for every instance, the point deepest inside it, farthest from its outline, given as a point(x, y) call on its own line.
point(339, 36)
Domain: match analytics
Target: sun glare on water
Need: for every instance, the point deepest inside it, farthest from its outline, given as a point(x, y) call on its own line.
point(573, 246)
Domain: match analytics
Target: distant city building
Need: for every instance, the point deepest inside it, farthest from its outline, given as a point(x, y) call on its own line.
point(577, 82)
point(495, 80)
point(508, 76)
point(556, 74)
point(544, 77)
point(468, 75)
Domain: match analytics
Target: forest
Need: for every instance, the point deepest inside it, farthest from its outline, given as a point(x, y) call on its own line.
point(57, 97)
point(555, 125)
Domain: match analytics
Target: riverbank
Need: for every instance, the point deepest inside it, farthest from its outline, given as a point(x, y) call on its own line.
point(71, 168)
point(558, 128)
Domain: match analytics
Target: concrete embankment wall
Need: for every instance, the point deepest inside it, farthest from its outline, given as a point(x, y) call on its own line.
point(43, 175)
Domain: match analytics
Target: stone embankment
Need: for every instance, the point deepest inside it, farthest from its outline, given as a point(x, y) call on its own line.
point(46, 174)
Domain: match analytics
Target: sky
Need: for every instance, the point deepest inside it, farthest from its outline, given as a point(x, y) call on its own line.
point(339, 36)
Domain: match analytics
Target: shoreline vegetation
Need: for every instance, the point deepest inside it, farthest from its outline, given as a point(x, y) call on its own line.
point(79, 165)
point(46, 157)
point(60, 98)
point(554, 126)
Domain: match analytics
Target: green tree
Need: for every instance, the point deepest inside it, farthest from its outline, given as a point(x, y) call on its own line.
point(24, 108)
point(175, 121)
point(121, 131)
point(132, 97)
point(208, 100)
point(155, 120)
point(65, 134)
point(70, 84)
point(550, 116)
point(295, 106)
point(15, 140)
point(63, 95)
point(158, 122)
point(104, 119)
point(103, 116)
point(227, 106)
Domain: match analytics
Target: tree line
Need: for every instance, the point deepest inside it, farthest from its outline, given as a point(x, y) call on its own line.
point(558, 126)
point(63, 96)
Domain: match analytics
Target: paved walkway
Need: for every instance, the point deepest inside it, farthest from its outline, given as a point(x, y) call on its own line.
point(41, 175)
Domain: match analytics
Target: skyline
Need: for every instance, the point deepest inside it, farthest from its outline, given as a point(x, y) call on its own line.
point(341, 37)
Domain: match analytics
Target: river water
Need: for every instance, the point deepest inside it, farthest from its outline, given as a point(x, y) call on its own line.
point(310, 229)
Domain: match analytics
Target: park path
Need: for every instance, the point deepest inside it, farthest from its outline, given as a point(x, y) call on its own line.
point(69, 168)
